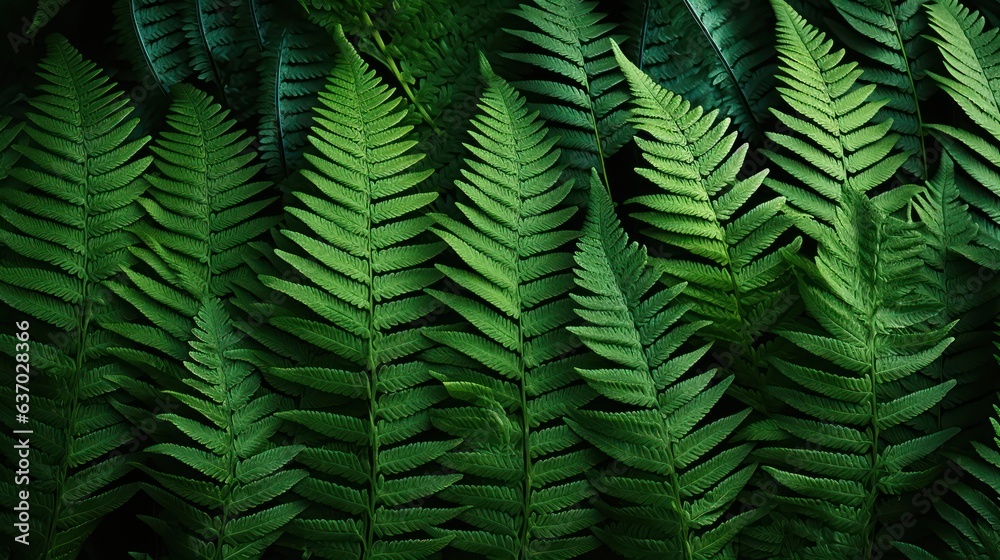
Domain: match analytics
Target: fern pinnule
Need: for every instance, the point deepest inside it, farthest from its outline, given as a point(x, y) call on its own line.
point(512, 361)
point(358, 247)
point(674, 493)
point(65, 230)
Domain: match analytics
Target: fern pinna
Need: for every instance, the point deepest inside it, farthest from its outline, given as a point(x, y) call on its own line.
point(867, 293)
point(64, 230)
point(511, 360)
point(673, 502)
point(359, 253)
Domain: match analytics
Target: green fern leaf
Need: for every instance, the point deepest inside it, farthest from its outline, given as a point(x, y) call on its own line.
point(869, 296)
point(359, 258)
point(588, 115)
point(699, 209)
point(726, 65)
point(229, 512)
point(969, 51)
point(64, 227)
point(833, 145)
point(512, 360)
point(204, 211)
point(639, 330)
point(892, 37)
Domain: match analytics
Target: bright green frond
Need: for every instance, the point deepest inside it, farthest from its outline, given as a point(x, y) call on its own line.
point(512, 360)
point(892, 36)
point(661, 431)
point(64, 229)
point(833, 143)
point(359, 254)
point(735, 275)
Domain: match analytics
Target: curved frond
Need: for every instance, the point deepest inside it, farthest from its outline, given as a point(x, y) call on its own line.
point(296, 66)
point(151, 34)
point(715, 53)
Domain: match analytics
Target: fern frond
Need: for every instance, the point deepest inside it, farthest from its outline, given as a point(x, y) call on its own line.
point(587, 111)
point(973, 527)
point(64, 228)
point(891, 35)
point(232, 510)
point(673, 504)
point(296, 66)
point(204, 211)
point(957, 285)
point(867, 293)
point(513, 362)
point(970, 52)
point(359, 258)
point(151, 35)
point(833, 145)
point(735, 275)
point(716, 54)
point(168, 41)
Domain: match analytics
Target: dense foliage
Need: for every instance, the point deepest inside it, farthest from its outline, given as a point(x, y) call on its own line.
point(513, 279)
